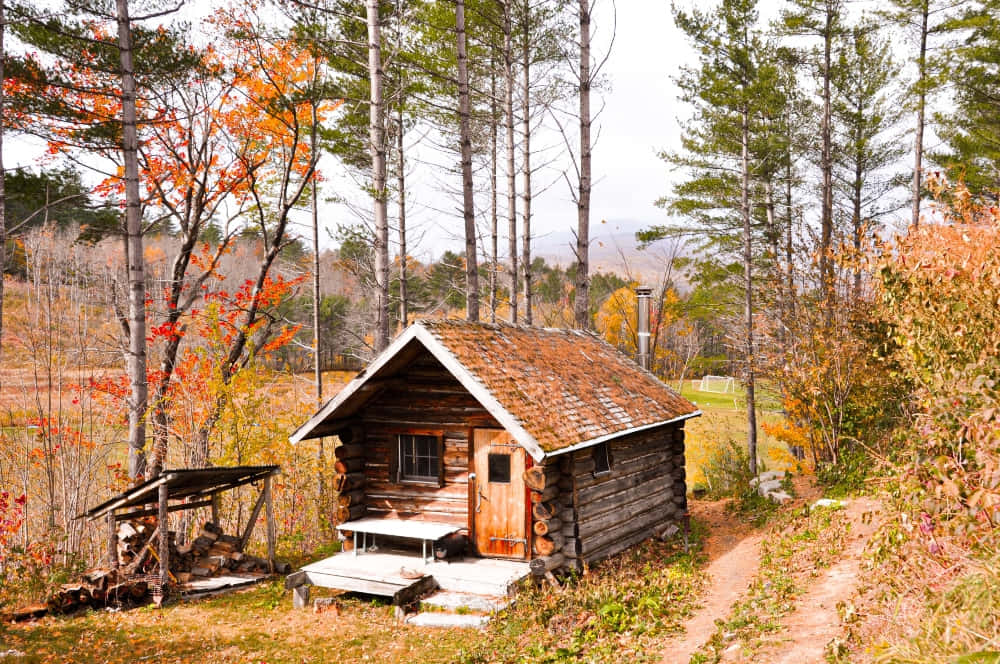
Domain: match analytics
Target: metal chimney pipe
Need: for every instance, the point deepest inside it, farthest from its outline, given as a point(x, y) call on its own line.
point(643, 299)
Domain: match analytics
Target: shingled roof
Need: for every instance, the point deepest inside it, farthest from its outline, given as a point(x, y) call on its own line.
point(553, 390)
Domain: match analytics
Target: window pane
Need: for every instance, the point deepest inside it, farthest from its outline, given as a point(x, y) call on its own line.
point(419, 457)
point(602, 462)
point(499, 468)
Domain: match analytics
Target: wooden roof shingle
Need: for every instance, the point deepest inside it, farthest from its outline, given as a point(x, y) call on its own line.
point(552, 389)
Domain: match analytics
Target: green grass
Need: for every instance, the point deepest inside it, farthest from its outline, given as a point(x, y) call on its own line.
point(615, 613)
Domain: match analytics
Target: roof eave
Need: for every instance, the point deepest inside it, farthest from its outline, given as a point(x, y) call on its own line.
point(618, 434)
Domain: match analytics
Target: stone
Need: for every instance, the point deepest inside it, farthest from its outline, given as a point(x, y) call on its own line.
point(300, 597)
point(768, 477)
point(458, 601)
point(448, 620)
point(830, 502)
point(769, 486)
point(779, 497)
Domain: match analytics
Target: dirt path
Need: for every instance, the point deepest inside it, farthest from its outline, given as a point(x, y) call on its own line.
point(734, 559)
point(734, 552)
point(815, 622)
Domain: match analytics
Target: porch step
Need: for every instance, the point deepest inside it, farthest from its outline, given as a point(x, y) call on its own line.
point(447, 620)
point(465, 602)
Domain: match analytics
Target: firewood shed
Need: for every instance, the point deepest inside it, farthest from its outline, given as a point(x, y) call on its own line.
point(187, 489)
point(548, 449)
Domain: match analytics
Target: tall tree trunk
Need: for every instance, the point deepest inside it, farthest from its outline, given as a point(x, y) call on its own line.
point(376, 147)
point(526, 185)
point(508, 109)
point(494, 216)
point(134, 254)
point(3, 191)
point(826, 164)
point(789, 245)
point(918, 141)
point(856, 220)
point(404, 291)
point(317, 330)
point(465, 136)
point(748, 290)
point(581, 304)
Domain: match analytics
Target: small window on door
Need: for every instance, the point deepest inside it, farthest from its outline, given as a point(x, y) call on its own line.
point(419, 458)
point(499, 468)
point(602, 458)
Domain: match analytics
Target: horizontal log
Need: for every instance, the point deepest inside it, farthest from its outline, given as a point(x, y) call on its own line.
point(127, 516)
point(458, 491)
point(345, 466)
point(566, 482)
point(459, 520)
point(621, 482)
point(541, 477)
point(345, 514)
point(594, 525)
point(549, 544)
point(400, 504)
point(569, 529)
point(618, 500)
point(351, 498)
point(642, 522)
point(614, 547)
point(349, 451)
point(347, 483)
point(545, 527)
point(539, 566)
point(544, 510)
point(546, 495)
point(584, 465)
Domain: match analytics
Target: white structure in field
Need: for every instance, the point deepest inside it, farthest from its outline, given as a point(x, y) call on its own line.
point(719, 384)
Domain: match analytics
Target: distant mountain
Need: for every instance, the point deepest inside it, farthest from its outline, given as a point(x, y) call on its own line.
point(612, 249)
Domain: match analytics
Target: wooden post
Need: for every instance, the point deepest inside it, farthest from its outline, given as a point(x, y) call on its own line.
point(269, 515)
point(164, 527)
point(215, 509)
point(252, 522)
point(112, 541)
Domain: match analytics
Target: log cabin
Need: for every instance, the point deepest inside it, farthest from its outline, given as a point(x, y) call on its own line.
point(540, 445)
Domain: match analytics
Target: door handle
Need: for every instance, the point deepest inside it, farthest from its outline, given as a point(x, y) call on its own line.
point(480, 497)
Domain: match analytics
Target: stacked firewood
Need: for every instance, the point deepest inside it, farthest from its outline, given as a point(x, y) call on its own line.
point(97, 588)
point(349, 482)
point(543, 481)
point(211, 553)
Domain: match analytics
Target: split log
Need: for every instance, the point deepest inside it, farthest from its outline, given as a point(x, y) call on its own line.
point(349, 451)
point(546, 527)
point(544, 510)
point(539, 566)
point(540, 477)
point(549, 544)
point(345, 466)
point(542, 496)
point(345, 514)
point(351, 498)
point(350, 482)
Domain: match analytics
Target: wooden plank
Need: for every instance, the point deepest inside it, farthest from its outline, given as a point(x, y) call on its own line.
point(164, 527)
point(252, 522)
point(406, 596)
point(353, 584)
point(295, 579)
point(155, 511)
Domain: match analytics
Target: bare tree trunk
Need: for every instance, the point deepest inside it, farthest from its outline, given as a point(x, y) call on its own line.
point(826, 165)
point(581, 303)
point(317, 330)
point(3, 190)
point(526, 194)
point(494, 217)
point(376, 146)
point(508, 101)
point(789, 248)
point(465, 137)
point(134, 253)
point(856, 221)
point(918, 142)
point(748, 292)
point(404, 293)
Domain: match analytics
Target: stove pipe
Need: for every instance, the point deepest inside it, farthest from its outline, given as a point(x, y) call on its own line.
point(643, 298)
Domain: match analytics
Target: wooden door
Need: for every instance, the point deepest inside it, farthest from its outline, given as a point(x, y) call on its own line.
point(499, 521)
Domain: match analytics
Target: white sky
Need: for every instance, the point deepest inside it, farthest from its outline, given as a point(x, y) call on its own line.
point(638, 120)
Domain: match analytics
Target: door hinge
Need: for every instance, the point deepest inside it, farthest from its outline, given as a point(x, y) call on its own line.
point(510, 540)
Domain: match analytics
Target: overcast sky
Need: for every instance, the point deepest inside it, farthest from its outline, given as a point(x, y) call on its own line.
point(639, 119)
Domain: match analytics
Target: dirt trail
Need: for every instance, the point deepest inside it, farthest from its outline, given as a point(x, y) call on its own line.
point(815, 622)
point(734, 559)
point(733, 551)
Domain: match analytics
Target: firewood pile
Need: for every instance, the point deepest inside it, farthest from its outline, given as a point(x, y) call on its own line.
point(211, 553)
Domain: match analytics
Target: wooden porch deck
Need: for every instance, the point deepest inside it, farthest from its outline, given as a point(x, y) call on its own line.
point(389, 573)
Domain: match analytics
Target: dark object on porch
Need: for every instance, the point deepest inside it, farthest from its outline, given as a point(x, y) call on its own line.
point(451, 546)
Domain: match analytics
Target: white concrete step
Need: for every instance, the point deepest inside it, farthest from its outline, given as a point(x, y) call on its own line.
point(448, 620)
point(456, 602)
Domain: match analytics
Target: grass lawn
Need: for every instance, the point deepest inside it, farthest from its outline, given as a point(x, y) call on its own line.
point(615, 613)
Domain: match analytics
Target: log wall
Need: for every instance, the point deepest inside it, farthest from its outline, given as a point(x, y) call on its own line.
point(607, 513)
point(423, 397)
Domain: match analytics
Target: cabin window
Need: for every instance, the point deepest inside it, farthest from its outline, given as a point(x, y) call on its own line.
point(602, 458)
point(499, 468)
point(419, 458)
